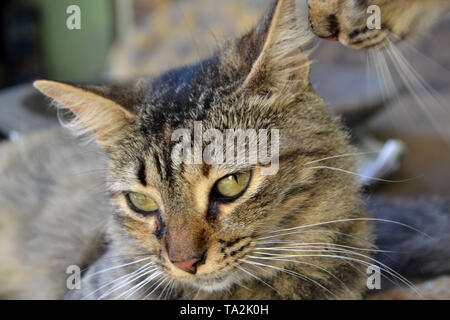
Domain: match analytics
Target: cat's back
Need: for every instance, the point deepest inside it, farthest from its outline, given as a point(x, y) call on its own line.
point(53, 208)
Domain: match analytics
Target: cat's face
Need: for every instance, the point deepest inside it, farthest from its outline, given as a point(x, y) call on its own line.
point(201, 222)
point(368, 24)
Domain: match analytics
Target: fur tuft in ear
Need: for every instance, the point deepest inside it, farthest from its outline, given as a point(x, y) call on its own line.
point(93, 112)
point(269, 58)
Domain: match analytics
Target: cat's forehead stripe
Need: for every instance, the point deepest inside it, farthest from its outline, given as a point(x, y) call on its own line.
point(158, 166)
point(141, 173)
point(205, 169)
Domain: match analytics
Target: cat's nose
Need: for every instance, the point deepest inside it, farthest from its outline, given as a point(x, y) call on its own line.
point(190, 265)
point(185, 248)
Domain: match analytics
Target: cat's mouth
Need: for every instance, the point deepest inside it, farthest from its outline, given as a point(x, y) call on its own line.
point(213, 283)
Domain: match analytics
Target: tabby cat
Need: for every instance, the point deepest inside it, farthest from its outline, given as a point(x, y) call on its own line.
point(178, 221)
point(180, 230)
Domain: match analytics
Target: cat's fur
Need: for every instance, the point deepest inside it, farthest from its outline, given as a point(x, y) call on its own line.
point(346, 20)
point(53, 212)
point(259, 81)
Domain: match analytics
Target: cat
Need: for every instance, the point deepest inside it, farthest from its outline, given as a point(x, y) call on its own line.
point(170, 220)
point(169, 230)
point(346, 20)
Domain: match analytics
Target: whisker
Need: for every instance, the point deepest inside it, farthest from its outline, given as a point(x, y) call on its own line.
point(145, 282)
point(169, 289)
point(292, 244)
point(284, 259)
point(257, 278)
point(363, 176)
point(238, 282)
point(390, 91)
point(341, 156)
point(131, 291)
point(300, 276)
point(416, 79)
point(369, 243)
point(196, 295)
point(164, 289)
point(392, 273)
point(430, 102)
point(324, 270)
point(172, 286)
point(116, 267)
point(164, 278)
point(118, 279)
point(125, 283)
point(125, 256)
point(388, 86)
point(336, 250)
point(348, 220)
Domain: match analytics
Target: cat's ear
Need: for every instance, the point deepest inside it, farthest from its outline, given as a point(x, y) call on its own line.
point(104, 111)
point(270, 57)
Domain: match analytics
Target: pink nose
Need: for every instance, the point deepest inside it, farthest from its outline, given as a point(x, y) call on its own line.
point(188, 265)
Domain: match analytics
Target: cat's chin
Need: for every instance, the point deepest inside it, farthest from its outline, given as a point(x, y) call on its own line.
point(212, 284)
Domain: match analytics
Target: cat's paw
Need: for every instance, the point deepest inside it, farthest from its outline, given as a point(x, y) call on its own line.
point(367, 24)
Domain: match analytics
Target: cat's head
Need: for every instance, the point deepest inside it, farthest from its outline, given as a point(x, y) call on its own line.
point(199, 220)
point(367, 24)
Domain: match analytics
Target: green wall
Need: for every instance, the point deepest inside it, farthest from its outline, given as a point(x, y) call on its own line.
point(74, 55)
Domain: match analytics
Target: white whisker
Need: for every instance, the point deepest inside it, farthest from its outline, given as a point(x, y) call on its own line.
point(291, 244)
point(117, 267)
point(328, 231)
point(301, 276)
point(127, 276)
point(324, 270)
point(125, 283)
point(164, 278)
point(164, 289)
point(362, 175)
point(281, 257)
point(346, 220)
point(130, 292)
point(196, 295)
point(257, 278)
point(341, 156)
point(430, 102)
point(338, 250)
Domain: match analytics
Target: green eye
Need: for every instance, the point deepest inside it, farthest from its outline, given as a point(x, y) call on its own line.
point(141, 202)
point(232, 185)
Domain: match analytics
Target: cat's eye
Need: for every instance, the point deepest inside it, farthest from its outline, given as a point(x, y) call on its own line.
point(141, 203)
point(232, 185)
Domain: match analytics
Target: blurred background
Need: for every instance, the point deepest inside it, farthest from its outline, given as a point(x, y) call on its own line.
point(123, 39)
